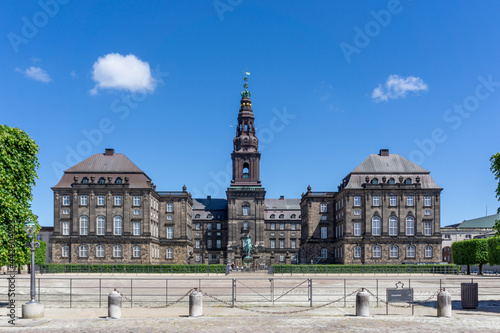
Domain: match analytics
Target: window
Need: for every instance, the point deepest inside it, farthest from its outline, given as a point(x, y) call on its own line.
point(468, 236)
point(408, 181)
point(375, 181)
point(393, 226)
point(245, 225)
point(65, 211)
point(65, 200)
point(85, 180)
point(246, 173)
point(65, 228)
point(324, 232)
point(101, 225)
point(357, 229)
point(83, 200)
point(293, 243)
point(410, 251)
point(357, 252)
point(323, 218)
point(428, 251)
point(323, 207)
point(137, 212)
point(427, 201)
point(293, 226)
point(357, 212)
point(137, 200)
point(324, 253)
point(170, 254)
point(281, 216)
point(83, 251)
point(410, 226)
point(218, 243)
point(282, 257)
point(84, 225)
point(209, 244)
point(427, 228)
point(293, 216)
point(209, 216)
point(209, 226)
point(219, 226)
point(197, 243)
point(377, 251)
point(273, 243)
point(393, 251)
point(136, 251)
point(102, 181)
point(273, 226)
point(427, 212)
point(197, 216)
point(272, 216)
point(197, 226)
point(137, 228)
point(170, 207)
point(65, 251)
point(198, 258)
point(409, 201)
point(117, 225)
point(376, 201)
point(282, 226)
point(392, 201)
point(99, 251)
point(118, 180)
point(392, 181)
point(118, 200)
point(117, 251)
point(100, 200)
point(376, 226)
point(246, 210)
point(170, 232)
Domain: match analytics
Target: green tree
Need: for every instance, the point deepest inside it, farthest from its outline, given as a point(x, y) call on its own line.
point(494, 250)
point(495, 168)
point(18, 163)
point(40, 253)
point(470, 252)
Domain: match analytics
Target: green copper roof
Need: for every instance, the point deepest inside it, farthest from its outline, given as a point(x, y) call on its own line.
point(481, 222)
point(246, 93)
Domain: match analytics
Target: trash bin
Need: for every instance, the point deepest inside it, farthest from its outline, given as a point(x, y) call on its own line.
point(469, 295)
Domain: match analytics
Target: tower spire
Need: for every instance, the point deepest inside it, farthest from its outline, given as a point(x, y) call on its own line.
point(246, 93)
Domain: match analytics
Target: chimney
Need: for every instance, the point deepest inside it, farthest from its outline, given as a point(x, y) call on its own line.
point(209, 197)
point(109, 151)
point(282, 197)
point(384, 152)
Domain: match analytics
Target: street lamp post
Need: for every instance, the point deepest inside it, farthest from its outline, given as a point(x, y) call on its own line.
point(32, 309)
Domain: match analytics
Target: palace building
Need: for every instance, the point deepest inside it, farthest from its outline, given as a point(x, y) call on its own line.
point(107, 210)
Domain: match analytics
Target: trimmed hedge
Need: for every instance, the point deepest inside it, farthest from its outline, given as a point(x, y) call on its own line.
point(339, 269)
point(470, 252)
point(494, 250)
point(110, 268)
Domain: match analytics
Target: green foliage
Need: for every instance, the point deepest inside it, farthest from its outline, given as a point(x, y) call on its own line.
point(352, 269)
point(495, 168)
point(40, 253)
point(494, 250)
point(470, 252)
point(18, 163)
point(111, 268)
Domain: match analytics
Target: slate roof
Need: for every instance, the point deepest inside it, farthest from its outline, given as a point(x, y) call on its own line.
point(393, 164)
point(282, 204)
point(105, 163)
point(481, 222)
point(209, 204)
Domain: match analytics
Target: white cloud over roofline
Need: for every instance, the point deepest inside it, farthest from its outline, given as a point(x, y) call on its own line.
point(397, 87)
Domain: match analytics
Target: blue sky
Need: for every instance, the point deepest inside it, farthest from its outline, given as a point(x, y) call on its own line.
point(331, 83)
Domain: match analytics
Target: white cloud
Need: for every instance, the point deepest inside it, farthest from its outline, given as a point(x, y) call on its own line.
point(36, 73)
point(114, 71)
point(397, 86)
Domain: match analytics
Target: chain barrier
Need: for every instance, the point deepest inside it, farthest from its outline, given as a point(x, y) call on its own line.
point(410, 303)
point(289, 291)
point(157, 307)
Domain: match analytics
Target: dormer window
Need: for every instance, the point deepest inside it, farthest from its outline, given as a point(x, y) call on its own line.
point(374, 181)
point(209, 216)
point(292, 216)
point(408, 181)
point(197, 216)
point(282, 216)
point(102, 181)
point(272, 216)
point(118, 180)
point(392, 181)
point(85, 180)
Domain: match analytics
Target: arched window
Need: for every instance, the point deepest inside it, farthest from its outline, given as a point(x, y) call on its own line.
point(117, 225)
point(85, 180)
point(410, 251)
point(246, 170)
point(428, 251)
point(99, 251)
point(393, 226)
point(272, 216)
point(117, 251)
point(209, 216)
point(136, 251)
point(324, 253)
point(376, 226)
point(375, 181)
point(393, 251)
point(377, 251)
point(282, 216)
point(392, 181)
point(84, 225)
point(101, 225)
point(102, 180)
point(197, 216)
point(408, 181)
point(292, 216)
point(357, 252)
point(118, 180)
point(83, 251)
point(410, 226)
point(218, 217)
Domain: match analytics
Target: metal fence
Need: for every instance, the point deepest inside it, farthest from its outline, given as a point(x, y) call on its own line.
point(92, 291)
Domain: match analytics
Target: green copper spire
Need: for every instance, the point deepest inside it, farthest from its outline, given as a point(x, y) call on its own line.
point(246, 93)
